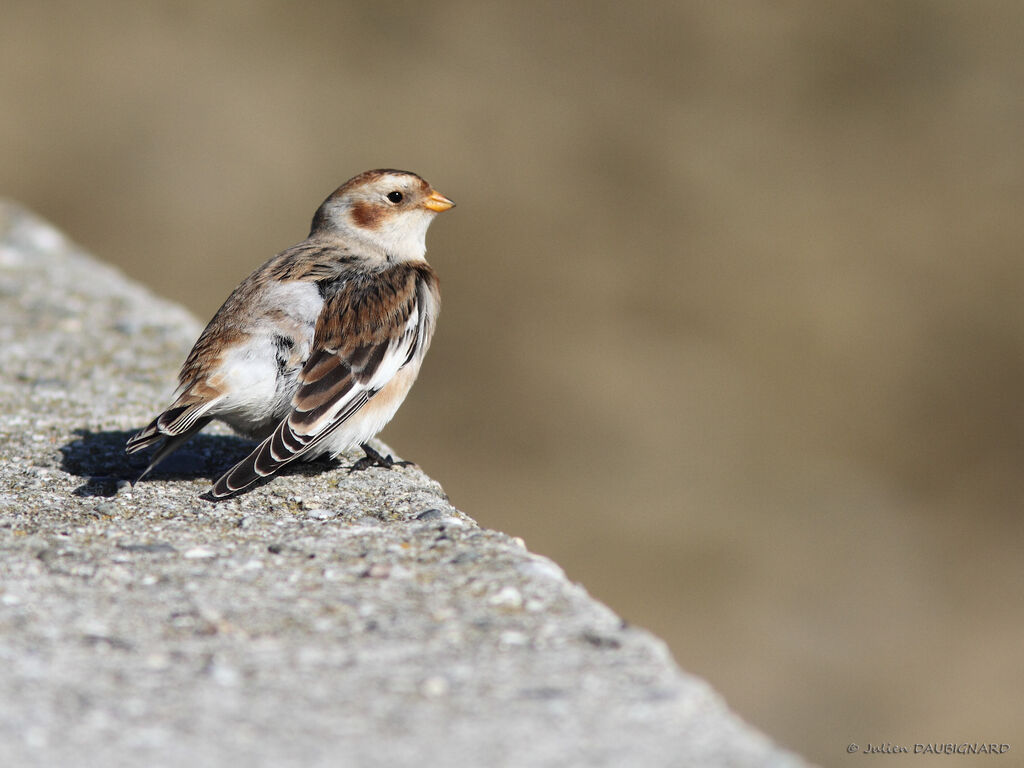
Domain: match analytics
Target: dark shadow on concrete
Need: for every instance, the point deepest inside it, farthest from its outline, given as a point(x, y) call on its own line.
point(100, 459)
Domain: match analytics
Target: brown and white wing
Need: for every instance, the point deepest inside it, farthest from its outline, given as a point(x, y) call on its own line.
point(368, 330)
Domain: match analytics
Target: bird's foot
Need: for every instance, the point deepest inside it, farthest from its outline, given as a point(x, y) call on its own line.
point(374, 459)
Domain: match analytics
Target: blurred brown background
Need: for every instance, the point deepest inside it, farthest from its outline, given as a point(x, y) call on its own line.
point(733, 323)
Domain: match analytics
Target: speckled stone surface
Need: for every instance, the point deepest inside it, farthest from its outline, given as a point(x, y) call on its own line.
point(326, 619)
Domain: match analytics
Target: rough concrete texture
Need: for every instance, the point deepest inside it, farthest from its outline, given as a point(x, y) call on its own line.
point(324, 619)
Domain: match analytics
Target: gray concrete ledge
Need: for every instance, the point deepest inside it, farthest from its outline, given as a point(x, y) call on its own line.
point(322, 620)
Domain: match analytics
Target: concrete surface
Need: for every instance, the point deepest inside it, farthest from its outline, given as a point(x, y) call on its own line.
point(324, 619)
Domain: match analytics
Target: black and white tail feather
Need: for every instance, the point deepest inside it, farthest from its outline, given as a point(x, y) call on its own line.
point(174, 426)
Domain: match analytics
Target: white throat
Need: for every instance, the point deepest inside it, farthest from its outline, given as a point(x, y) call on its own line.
point(398, 238)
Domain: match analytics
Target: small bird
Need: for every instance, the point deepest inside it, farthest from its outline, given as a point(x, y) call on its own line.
point(314, 352)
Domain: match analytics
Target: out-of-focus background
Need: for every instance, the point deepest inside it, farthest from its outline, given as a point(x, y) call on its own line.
point(733, 323)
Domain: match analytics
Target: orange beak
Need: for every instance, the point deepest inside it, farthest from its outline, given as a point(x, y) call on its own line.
point(437, 202)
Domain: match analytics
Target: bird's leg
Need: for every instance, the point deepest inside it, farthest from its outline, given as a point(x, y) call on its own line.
point(374, 459)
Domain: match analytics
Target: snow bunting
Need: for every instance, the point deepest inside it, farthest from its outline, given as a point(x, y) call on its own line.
point(313, 353)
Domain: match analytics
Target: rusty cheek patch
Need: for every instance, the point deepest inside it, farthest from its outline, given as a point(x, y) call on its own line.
point(367, 215)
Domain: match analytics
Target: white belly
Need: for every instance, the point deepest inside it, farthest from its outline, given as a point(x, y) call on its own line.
point(258, 384)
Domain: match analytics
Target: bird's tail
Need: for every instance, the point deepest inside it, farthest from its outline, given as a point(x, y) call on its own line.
point(174, 426)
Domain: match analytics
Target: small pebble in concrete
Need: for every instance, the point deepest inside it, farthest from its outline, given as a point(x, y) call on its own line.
point(434, 686)
point(507, 597)
point(320, 514)
point(199, 553)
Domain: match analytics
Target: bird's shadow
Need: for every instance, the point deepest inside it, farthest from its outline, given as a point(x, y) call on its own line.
point(100, 458)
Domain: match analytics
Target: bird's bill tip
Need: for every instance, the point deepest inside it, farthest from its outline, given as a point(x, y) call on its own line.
point(437, 202)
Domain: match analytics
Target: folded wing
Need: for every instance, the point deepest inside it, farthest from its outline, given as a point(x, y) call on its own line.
point(369, 329)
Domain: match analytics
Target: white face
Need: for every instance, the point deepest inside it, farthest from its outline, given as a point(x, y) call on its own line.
point(387, 211)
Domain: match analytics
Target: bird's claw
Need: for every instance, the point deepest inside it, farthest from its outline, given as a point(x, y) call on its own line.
point(375, 459)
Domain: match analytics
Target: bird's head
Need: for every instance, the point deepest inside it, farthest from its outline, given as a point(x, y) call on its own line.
point(384, 210)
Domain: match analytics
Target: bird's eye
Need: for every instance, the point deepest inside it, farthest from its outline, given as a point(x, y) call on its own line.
point(395, 197)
